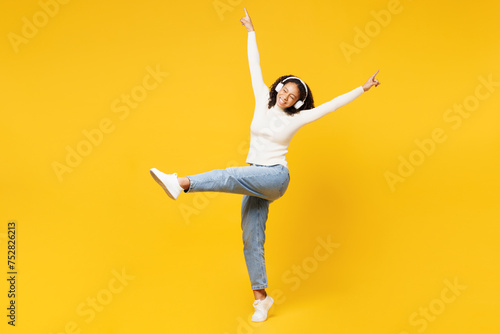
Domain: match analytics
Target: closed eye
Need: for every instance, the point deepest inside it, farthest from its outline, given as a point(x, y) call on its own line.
point(286, 91)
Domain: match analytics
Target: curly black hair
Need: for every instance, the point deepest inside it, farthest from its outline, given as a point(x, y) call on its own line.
point(308, 103)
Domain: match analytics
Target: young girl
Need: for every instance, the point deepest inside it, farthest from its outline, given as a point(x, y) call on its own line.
point(279, 113)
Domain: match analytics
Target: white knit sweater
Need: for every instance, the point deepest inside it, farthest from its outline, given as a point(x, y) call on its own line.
point(272, 129)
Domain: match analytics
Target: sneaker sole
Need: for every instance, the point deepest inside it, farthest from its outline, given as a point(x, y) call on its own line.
point(152, 172)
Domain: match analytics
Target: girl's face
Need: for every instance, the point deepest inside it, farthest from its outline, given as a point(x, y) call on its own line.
point(288, 95)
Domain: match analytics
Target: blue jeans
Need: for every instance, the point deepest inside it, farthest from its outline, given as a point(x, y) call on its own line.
point(260, 185)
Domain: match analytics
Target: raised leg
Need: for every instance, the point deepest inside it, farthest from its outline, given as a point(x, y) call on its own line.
point(267, 182)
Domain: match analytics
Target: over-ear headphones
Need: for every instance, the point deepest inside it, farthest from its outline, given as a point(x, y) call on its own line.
point(299, 103)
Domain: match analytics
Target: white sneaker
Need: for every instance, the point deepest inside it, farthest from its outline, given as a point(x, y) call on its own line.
point(261, 308)
point(168, 182)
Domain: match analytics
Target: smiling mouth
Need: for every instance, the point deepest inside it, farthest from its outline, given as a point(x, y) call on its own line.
point(281, 101)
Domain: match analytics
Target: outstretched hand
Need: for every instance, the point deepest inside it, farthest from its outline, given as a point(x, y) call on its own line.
point(247, 22)
point(371, 82)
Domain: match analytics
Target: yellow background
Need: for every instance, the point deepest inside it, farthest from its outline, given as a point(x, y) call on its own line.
point(184, 261)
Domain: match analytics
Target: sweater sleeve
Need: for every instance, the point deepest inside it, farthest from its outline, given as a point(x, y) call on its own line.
point(310, 115)
point(258, 85)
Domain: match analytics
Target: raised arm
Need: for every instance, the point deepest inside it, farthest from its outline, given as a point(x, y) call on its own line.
point(308, 116)
point(311, 115)
point(258, 85)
